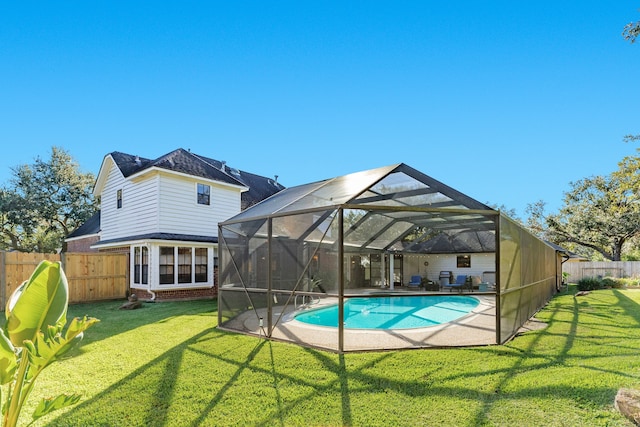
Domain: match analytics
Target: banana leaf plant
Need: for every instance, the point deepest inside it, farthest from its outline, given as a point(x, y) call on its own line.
point(34, 337)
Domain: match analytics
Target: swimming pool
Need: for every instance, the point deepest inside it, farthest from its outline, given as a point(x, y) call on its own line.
point(392, 312)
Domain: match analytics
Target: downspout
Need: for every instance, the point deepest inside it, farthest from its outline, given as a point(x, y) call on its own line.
point(153, 294)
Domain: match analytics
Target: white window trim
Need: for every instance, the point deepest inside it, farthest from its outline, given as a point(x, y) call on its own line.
point(198, 195)
point(155, 283)
point(132, 267)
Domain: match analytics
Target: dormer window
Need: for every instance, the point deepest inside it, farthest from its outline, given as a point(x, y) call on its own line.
point(204, 194)
point(119, 199)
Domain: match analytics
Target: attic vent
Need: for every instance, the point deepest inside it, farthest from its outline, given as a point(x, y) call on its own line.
point(234, 171)
point(137, 160)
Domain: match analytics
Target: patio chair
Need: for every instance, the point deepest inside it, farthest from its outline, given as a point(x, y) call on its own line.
point(459, 284)
point(415, 282)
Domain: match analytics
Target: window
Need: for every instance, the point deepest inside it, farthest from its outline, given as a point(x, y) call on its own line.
point(119, 199)
point(184, 265)
point(141, 265)
point(204, 194)
point(166, 265)
point(464, 261)
point(201, 265)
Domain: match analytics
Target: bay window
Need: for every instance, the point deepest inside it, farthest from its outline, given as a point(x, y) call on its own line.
point(183, 265)
point(141, 265)
point(166, 265)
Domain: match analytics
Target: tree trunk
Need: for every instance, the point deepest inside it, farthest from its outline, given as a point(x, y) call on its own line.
point(617, 252)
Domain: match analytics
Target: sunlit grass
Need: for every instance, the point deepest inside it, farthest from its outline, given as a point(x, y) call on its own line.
point(167, 365)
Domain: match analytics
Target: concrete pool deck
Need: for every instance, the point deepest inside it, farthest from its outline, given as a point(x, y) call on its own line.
point(474, 329)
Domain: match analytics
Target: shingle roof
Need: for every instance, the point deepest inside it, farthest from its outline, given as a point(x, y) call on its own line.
point(162, 236)
point(470, 241)
point(91, 226)
point(260, 187)
point(181, 160)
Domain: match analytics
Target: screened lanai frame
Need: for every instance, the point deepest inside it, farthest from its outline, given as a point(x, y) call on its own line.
point(292, 251)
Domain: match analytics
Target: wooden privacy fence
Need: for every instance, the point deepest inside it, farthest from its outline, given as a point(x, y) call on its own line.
point(617, 269)
point(91, 276)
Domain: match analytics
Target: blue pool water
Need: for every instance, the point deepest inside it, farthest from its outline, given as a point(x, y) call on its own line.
point(393, 312)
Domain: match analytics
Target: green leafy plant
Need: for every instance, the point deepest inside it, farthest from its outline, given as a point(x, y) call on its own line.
point(630, 282)
point(34, 337)
point(612, 283)
point(589, 284)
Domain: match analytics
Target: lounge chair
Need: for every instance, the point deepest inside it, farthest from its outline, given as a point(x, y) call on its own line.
point(415, 282)
point(459, 284)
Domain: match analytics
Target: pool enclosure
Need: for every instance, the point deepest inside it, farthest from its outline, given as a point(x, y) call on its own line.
point(386, 232)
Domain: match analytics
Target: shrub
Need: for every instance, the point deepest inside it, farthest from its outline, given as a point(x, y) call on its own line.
point(610, 282)
point(630, 282)
point(589, 284)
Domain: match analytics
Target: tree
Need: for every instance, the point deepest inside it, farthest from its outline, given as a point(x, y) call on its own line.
point(599, 213)
point(510, 212)
point(631, 31)
point(44, 203)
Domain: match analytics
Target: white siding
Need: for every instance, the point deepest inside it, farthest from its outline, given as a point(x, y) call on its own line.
point(108, 217)
point(163, 203)
point(414, 265)
point(139, 213)
point(181, 213)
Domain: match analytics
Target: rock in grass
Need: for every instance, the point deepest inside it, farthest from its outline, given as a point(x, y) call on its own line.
point(132, 304)
point(628, 403)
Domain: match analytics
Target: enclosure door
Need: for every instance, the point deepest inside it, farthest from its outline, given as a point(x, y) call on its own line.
point(377, 274)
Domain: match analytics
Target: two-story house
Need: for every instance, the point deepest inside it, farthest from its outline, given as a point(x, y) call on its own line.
point(164, 213)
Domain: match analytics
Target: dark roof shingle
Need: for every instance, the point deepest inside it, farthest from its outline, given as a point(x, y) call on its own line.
point(183, 161)
point(91, 226)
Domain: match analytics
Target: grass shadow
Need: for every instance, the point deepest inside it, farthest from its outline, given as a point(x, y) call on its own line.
point(112, 324)
point(285, 377)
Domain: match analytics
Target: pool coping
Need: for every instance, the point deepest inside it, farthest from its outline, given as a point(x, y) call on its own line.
point(477, 328)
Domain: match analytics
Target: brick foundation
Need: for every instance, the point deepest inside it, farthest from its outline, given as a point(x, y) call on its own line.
point(177, 294)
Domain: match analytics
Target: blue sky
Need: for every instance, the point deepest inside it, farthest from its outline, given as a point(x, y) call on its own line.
point(506, 101)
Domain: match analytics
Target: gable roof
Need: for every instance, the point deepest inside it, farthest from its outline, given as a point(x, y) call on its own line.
point(396, 185)
point(183, 161)
point(256, 187)
point(394, 201)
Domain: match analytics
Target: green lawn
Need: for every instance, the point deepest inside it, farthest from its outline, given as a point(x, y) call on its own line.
point(167, 365)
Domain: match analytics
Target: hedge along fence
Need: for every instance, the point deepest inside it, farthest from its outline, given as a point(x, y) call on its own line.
point(91, 276)
point(616, 269)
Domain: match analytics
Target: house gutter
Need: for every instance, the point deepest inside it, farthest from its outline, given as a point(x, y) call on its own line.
point(153, 294)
